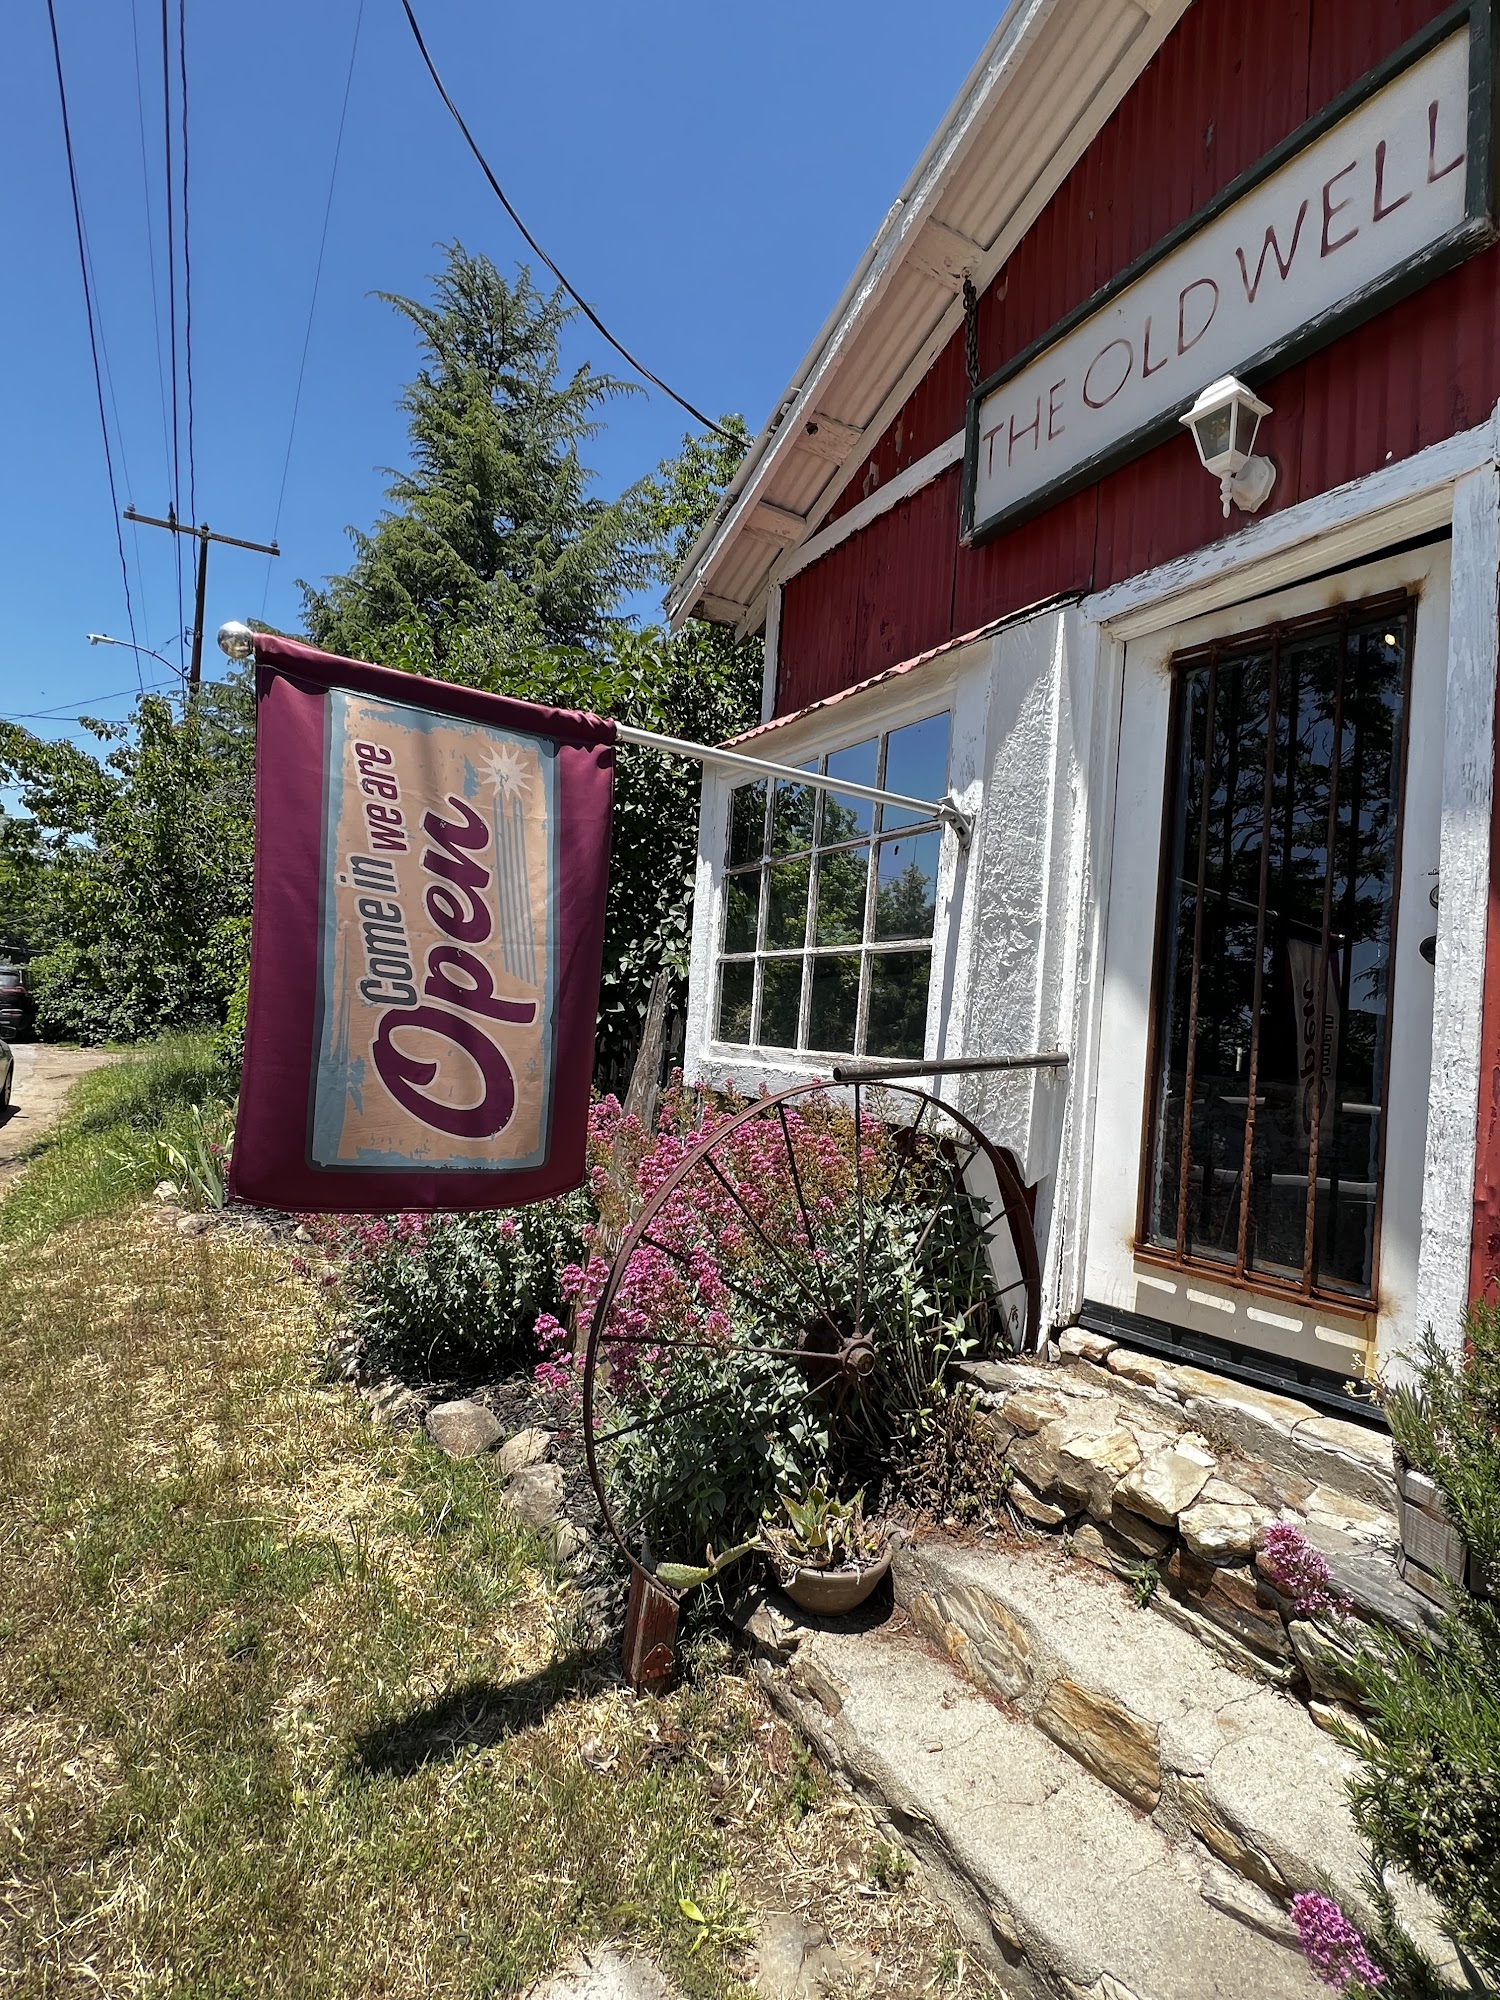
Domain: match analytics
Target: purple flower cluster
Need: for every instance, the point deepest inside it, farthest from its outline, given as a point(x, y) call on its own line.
point(1297, 1569)
point(1334, 1948)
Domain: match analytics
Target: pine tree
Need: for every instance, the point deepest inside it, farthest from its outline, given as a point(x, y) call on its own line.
point(492, 524)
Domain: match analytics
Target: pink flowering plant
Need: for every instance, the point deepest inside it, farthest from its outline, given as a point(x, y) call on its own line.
point(456, 1295)
point(1334, 1947)
point(1298, 1570)
point(750, 1269)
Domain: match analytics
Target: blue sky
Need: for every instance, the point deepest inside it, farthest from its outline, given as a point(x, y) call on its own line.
point(706, 176)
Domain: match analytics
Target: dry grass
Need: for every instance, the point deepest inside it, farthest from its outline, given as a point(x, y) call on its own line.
point(287, 1706)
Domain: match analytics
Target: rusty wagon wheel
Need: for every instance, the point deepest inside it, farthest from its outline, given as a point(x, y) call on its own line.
point(798, 1280)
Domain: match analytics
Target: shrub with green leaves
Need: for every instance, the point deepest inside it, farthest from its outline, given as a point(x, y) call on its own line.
point(454, 1295)
point(1429, 1795)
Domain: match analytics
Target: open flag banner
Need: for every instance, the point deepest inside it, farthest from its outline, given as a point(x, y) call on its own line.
point(430, 871)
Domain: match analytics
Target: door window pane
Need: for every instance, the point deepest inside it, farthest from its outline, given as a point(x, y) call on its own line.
point(1273, 979)
point(780, 998)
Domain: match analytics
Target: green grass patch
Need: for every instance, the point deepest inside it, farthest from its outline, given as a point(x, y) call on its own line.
point(118, 1137)
point(290, 1707)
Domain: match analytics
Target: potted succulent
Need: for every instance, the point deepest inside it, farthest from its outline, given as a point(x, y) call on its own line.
point(828, 1558)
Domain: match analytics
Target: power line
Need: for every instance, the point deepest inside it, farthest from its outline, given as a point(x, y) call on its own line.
point(140, 126)
point(584, 307)
point(88, 302)
point(64, 713)
point(338, 146)
point(187, 261)
point(166, 110)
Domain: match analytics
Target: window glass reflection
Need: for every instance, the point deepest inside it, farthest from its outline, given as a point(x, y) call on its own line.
point(736, 993)
point(916, 762)
point(841, 896)
point(780, 999)
point(850, 819)
point(786, 904)
point(834, 1004)
point(747, 823)
point(906, 886)
point(793, 811)
point(897, 1021)
point(741, 910)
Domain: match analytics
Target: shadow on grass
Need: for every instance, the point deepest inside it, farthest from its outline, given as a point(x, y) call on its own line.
point(476, 1716)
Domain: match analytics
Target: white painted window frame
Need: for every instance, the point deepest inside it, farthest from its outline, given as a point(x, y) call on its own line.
point(1452, 484)
point(959, 682)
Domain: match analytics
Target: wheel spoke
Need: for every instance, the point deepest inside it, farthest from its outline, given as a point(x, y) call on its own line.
point(739, 1202)
point(758, 1301)
point(660, 1414)
point(812, 1248)
point(676, 1492)
point(859, 1205)
point(703, 1346)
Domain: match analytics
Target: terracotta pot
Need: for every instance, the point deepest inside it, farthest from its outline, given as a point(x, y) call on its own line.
point(831, 1591)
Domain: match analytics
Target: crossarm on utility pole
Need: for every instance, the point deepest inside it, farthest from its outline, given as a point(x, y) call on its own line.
point(202, 536)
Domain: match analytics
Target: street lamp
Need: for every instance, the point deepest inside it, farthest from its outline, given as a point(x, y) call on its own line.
point(103, 639)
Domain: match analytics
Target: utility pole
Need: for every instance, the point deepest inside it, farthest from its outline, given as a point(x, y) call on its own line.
point(203, 536)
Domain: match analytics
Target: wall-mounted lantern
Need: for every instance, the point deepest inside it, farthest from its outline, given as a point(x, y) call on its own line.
point(1224, 421)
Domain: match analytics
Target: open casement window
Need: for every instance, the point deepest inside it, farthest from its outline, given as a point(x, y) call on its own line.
point(829, 903)
point(1273, 990)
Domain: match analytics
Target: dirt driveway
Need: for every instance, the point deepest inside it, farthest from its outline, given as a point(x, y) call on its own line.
point(44, 1076)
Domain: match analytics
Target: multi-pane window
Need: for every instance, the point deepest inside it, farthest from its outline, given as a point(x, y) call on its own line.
point(1275, 952)
point(829, 903)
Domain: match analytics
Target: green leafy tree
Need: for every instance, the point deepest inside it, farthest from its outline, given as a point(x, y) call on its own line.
point(492, 523)
point(23, 885)
point(140, 914)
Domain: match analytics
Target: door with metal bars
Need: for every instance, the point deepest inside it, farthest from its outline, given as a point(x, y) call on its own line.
point(1274, 988)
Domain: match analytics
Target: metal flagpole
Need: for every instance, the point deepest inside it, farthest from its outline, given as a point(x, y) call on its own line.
point(944, 809)
point(238, 641)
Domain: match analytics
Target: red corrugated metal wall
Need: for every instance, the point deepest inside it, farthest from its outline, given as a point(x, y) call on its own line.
point(1228, 83)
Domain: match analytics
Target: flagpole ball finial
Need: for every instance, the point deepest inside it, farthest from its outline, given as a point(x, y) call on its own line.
point(237, 640)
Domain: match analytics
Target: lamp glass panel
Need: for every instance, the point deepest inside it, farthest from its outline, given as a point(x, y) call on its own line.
point(1213, 431)
point(1246, 424)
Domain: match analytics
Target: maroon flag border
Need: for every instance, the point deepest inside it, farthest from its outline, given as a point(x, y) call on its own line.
point(271, 1165)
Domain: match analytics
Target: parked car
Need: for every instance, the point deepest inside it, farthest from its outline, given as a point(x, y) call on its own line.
point(17, 1008)
point(7, 1076)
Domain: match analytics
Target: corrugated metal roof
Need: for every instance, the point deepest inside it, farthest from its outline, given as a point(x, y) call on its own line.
point(896, 672)
point(1048, 78)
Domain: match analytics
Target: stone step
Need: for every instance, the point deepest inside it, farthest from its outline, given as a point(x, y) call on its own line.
point(1061, 1884)
point(1223, 1762)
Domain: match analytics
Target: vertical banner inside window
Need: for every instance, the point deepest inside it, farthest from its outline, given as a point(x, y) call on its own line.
point(430, 875)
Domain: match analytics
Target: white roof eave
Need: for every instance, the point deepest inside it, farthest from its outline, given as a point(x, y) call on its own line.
point(1003, 68)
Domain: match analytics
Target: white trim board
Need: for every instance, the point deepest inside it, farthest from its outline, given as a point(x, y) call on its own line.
point(1463, 910)
point(921, 472)
point(1408, 497)
point(1454, 481)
